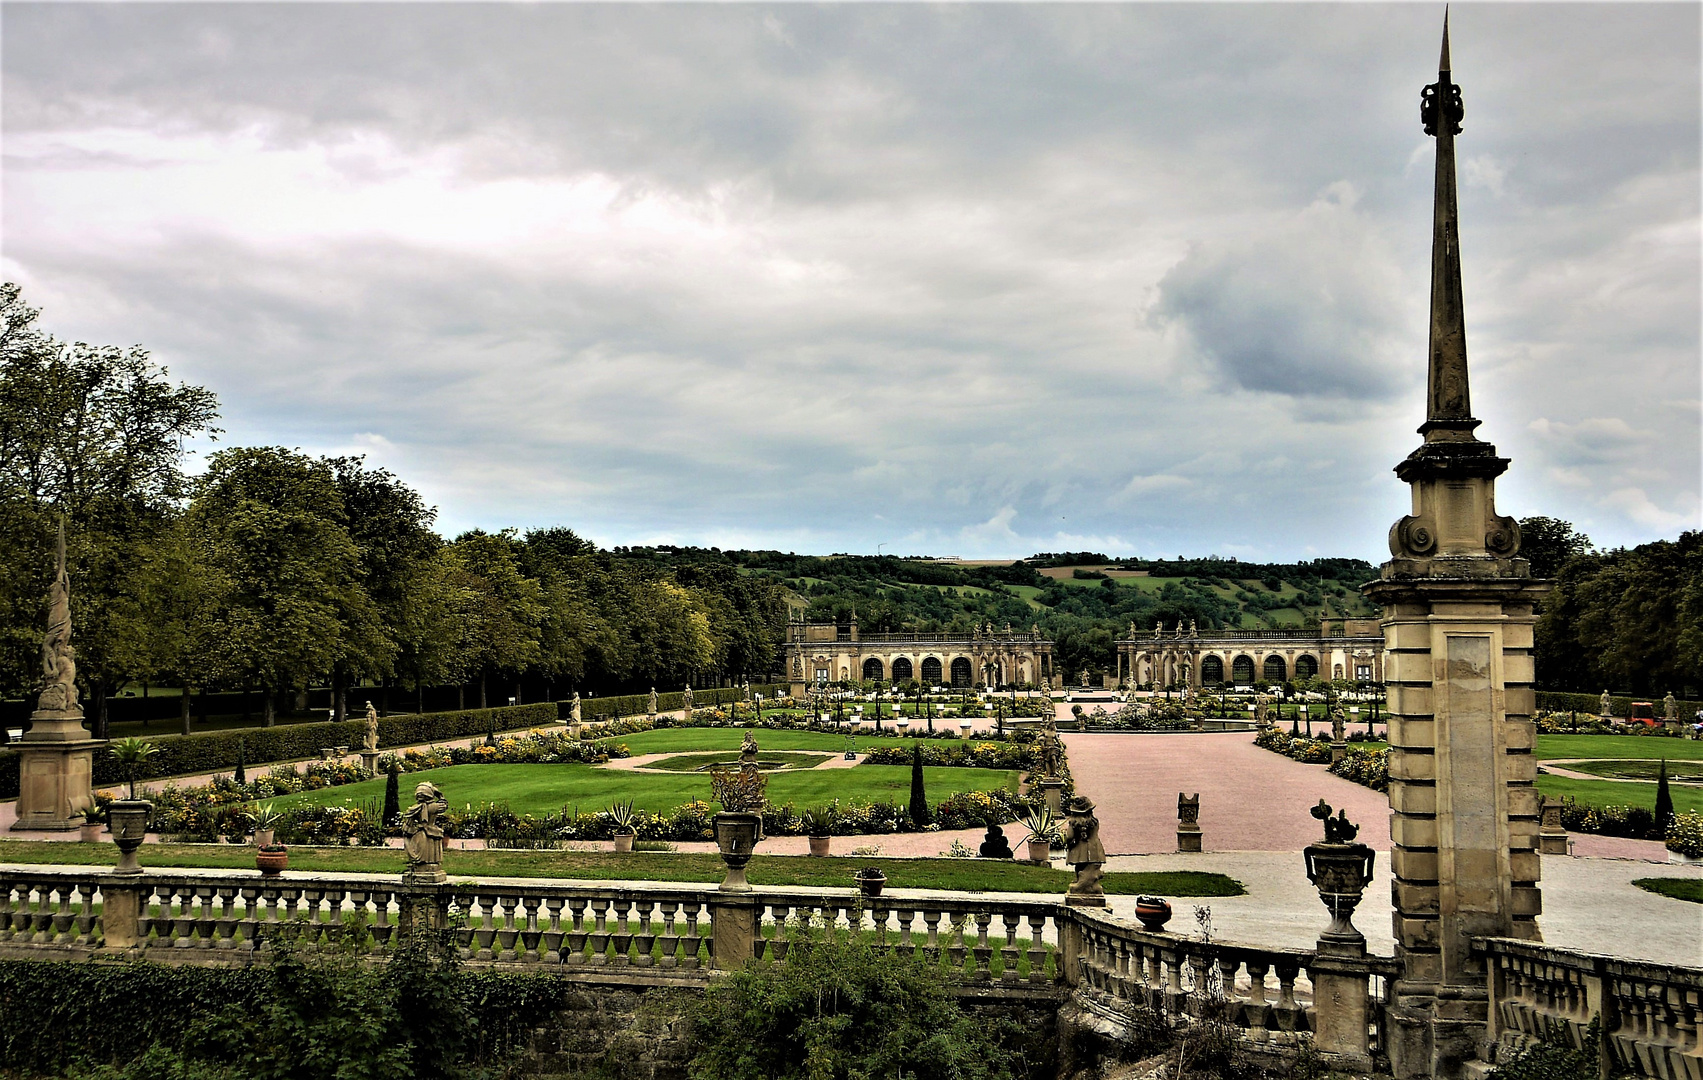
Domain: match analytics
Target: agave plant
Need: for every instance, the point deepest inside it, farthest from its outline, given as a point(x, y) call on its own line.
point(1041, 823)
point(266, 818)
point(622, 814)
point(133, 753)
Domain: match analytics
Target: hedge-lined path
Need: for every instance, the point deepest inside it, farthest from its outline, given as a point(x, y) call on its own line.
point(1250, 799)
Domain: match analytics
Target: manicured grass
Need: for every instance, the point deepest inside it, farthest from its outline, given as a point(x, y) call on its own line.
point(542, 789)
point(1638, 770)
point(1688, 889)
point(767, 760)
point(1611, 793)
point(685, 740)
point(1618, 746)
point(970, 875)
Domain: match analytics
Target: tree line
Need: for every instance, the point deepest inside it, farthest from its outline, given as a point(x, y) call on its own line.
point(273, 569)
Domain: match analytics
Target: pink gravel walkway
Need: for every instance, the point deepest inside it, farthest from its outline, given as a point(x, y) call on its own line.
point(1250, 799)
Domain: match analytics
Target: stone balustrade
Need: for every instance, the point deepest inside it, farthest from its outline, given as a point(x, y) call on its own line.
point(1647, 1014)
point(1267, 994)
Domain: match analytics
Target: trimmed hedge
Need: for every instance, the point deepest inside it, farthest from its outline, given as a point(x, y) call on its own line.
point(211, 751)
point(1619, 704)
point(639, 704)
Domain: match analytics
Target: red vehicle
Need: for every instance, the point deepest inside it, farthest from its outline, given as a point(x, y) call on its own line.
point(1643, 712)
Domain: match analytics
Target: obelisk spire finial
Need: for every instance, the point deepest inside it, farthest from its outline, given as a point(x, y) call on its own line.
point(1448, 414)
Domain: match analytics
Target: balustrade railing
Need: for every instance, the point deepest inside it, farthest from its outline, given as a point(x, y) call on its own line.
point(1647, 1015)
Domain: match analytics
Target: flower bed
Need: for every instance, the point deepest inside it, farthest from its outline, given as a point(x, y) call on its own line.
point(1302, 749)
point(958, 753)
point(1685, 834)
point(1167, 716)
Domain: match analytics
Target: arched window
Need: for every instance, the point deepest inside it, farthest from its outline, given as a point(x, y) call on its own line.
point(961, 671)
point(1275, 669)
point(1212, 671)
point(931, 672)
point(901, 669)
point(872, 668)
point(1242, 670)
point(1306, 667)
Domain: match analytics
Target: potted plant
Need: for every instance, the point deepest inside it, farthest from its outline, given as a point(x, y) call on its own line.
point(819, 826)
point(622, 814)
point(265, 824)
point(1153, 911)
point(128, 818)
point(1042, 828)
point(870, 880)
point(271, 859)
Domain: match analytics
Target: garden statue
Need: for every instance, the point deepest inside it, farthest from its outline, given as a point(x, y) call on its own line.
point(748, 750)
point(58, 655)
point(686, 700)
point(1049, 752)
point(995, 845)
point(1338, 719)
point(424, 835)
point(574, 709)
point(1083, 679)
point(1159, 628)
point(1047, 685)
point(1262, 710)
point(1670, 708)
point(652, 702)
point(1607, 704)
point(1085, 853)
point(745, 690)
point(372, 727)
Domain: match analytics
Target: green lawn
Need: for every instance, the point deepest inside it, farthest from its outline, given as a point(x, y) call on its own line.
point(767, 760)
point(972, 875)
point(1618, 746)
point(542, 789)
point(1643, 769)
point(1690, 889)
point(1610, 793)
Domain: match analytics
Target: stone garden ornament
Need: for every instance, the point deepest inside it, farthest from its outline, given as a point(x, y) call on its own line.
point(424, 834)
point(1085, 853)
point(372, 727)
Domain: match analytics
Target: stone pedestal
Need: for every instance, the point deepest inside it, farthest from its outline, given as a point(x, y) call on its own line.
point(121, 912)
point(1052, 790)
point(1338, 751)
point(423, 903)
point(1188, 836)
point(1551, 834)
point(55, 772)
point(1342, 1004)
point(734, 922)
point(369, 762)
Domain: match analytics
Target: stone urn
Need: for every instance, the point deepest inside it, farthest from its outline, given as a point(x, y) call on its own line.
point(271, 859)
point(870, 881)
point(735, 837)
point(1153, 911)
point(128, 820)
point(1341, 872)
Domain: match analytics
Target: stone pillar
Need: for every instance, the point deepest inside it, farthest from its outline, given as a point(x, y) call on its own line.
point(1052, 790)
point(733, 926)
point(121, 912)
point(1457, 621)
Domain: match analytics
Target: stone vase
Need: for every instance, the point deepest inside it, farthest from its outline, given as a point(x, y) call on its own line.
point(819, 846)
point(128, 820)
point(735, 837)
point(1341, 873)
point(624, 841)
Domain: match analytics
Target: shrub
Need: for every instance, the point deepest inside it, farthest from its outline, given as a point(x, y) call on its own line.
point(1685, 834)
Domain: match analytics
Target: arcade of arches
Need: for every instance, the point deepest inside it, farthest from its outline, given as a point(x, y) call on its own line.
point(1340, 649)
point(829, 652)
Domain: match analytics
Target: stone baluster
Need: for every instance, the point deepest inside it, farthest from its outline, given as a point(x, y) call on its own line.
point(1174, 995)
point(578, 935)
point(955, 940)
point(485, 930)
point(1228, 966)
point(530, 933)
point(599, 931)
point(1290, 1018)
point(1257, 1009)
point(931, 932)
point(669, 939)
point(906, 917)
point(692, 941)
point(621, 934)
point(1008, 953)
point(644, 933)
point(984, 952)
point(183, 922)
point(1037, 951)
point(552, 934)
point(778, 947)
point(508, 931)
point(225, 921)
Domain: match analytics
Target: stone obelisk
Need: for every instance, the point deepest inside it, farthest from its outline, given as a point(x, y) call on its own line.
point(1457, 622)
point(56, 758)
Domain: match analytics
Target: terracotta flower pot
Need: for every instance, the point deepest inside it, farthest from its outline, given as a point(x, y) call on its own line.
point(819, 846)
point(624, 841)
point(1153, 911)
point(1040, 851)
point(271, 862)
point(870, 884)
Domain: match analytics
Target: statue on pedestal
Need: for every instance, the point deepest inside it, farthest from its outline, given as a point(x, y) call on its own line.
point(1670, 708)
point(372, 728)
point(574, 709)
point(1262, 710)
point(58, 655)
point(652, 702)
point(1607, 705)
point(1338, 719)
point(1049, 752)
point(424, 843)
point(1086, 855)
point(686, 700)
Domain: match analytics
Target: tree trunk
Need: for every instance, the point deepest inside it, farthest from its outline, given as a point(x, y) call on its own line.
point(269, 710)
point(517, 699)
point(461, 697)
point(339, 694)
point(419, 695)
point(247, 706)
point(482, 703)
point(183, 709)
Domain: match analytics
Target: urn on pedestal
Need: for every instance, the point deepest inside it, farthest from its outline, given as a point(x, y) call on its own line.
point(735, 837)
point(128, 820)
point(1340, 869)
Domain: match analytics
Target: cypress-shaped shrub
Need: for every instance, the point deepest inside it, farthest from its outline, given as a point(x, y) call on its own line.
point(921, 815)
point(1664, 805)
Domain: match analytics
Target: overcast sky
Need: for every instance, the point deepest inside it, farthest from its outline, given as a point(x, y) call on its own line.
point(961, 280)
